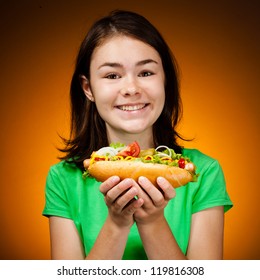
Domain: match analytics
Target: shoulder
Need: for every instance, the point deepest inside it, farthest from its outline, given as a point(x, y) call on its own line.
point(195, 154)
point(210, 189)
point(61, 189)
point(199, 158)
point(205, 164)
point(64, 173)
point(64, 167)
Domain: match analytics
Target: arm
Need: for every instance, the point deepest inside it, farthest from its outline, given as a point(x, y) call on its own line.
point(158, 240)
point(111, 241)
point(206, 238)
point(66, 243)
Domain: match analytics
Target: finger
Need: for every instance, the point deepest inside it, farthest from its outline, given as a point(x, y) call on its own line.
point(118, 190)
point(124, 200)
point(86, 163)
point(168, 190)
point(153, 193)
point(133, 206)
point(109, 184)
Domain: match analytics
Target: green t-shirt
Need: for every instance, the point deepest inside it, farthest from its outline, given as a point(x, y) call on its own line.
point(70, 196)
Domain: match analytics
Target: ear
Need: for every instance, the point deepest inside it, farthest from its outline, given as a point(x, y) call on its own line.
point(86, 88)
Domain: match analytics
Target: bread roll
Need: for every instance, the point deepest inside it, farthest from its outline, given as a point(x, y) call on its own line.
point(102, 170)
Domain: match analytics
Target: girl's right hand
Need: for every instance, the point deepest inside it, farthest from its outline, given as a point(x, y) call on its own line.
point(120, 200)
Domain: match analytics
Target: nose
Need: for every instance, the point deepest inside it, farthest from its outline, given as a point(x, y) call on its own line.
point(129, 88)
point(128, 91)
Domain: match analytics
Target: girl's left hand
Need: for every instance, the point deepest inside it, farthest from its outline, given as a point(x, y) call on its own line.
point(155, 199)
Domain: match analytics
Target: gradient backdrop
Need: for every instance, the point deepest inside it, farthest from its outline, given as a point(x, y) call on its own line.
point(217, 46)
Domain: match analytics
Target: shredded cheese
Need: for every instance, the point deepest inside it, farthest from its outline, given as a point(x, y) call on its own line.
point(148, 158)
point(118, 158)
point(166, 158)
point(95, 156)
point(129, 158)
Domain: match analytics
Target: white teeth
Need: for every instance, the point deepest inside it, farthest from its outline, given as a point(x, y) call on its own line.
point(131, 108)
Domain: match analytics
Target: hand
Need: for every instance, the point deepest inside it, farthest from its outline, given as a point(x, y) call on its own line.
point(120, 200)
point(155, 199)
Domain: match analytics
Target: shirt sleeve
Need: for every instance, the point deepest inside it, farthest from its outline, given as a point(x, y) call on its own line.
point(56, 198)
point(212, 189)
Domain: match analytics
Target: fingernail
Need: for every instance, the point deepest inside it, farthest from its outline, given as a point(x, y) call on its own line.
point(141, 179)
point(160, 180)
point(115, 179)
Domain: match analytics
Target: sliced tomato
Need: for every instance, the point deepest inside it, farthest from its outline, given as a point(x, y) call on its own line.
point(132, 150)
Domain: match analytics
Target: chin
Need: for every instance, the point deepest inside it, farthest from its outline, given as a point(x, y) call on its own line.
point(137, 129)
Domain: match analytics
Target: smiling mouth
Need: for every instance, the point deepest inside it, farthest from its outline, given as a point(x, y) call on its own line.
point(132, 107)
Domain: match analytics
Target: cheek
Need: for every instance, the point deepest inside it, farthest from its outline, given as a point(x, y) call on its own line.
point(160, 100)
point(159, 94)
point(157, 87)
point(103, 95)
point(161, 105)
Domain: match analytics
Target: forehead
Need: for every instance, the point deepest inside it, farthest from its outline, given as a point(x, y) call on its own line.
point(121, 46)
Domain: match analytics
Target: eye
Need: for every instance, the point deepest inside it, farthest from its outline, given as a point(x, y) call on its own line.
point(145, 74)
point(112, 76)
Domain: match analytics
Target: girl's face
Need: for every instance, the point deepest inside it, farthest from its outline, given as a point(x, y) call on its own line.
point(127, 85)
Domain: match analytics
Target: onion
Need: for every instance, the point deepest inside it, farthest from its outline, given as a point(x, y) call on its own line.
point(160, 154)
point(107, 151)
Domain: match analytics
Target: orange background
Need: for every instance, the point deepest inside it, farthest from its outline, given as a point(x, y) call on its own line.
point(217, 46)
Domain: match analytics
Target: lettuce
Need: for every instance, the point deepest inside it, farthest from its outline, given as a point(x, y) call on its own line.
point(85, 174)
point(116, 145)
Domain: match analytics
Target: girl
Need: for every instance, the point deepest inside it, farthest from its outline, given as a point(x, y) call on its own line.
point(125, 89)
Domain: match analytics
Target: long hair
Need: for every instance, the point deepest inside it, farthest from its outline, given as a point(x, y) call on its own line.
point(88, 130)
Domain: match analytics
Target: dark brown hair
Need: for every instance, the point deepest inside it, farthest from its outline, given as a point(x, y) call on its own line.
point(88, 130)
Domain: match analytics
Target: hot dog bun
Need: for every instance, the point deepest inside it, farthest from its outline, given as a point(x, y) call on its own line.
point(102, 170)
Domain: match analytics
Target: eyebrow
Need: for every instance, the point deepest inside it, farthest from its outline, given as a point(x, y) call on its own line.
point(119, 65)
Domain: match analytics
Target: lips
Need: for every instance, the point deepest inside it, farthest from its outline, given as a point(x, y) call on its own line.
point(134, 107)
